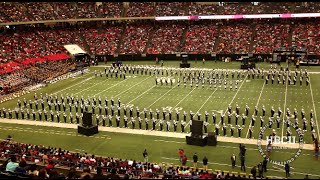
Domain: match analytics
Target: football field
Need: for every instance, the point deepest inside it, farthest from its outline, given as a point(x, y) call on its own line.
point(141, 91)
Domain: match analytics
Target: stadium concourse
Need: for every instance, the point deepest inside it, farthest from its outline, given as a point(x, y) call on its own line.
point(144, 109)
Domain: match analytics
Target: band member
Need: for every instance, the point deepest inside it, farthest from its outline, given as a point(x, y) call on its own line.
point(133, 122)
point(270, 122)
point(247, 110)
point(151, 113)
point(183, 124)
point(256, 111)
point(64, 117)
point(175, 125)
point(110, 120)
point(118, 121)
point(237, 110)
point(239, 131)
point(161, 124)
point(131, 112)
point(147, 123)
point(112, 110)
point(125, 121)
point(154, 122)
point(206, 116)
point(231, 130)
point(263, 111)
point(184, 116)
point(125, 110)
point(250, 132)
point(272, 111)
point(177, 115)
point(243, 118)
point(253, 120)
point(224, 129)
point(217, 130)
point(205, 127)
point(214, 118)
point(222, 118)
point(278, 122)
point(140, 122)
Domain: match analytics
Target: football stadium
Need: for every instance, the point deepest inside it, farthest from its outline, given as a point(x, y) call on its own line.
point(159, 90)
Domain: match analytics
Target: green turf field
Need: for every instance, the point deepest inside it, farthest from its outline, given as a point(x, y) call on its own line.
point(141, 91)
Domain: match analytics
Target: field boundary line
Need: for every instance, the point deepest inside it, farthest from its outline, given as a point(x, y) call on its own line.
point(284, 107)
point(314, 108)
point(141, 132)
point(256, 105)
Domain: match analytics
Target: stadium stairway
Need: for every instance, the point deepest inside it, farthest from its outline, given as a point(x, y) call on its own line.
point(23, 8)
point(183, 38)
point(121, 38)
point(186, 8)
point(151, 32)
point(216, 44)
point(290, 35)
point(253, 38)
point(86, 46)
point(124, 9)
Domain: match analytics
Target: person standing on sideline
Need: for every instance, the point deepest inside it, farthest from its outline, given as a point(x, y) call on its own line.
point(145, 155)
point(181, 153)
point(316, 148)
point(243, 166)
point(184, 160)
point(205, 163)
point(287, 169)
point(264, 164)
point(233, 160)
point(195, 160)
point(254, 172)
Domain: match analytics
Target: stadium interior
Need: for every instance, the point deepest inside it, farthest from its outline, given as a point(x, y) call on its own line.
point(148, 58)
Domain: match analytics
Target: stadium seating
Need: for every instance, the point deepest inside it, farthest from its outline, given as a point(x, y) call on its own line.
point(136, 37)
point(141, 9)
point(235, 39)
point(170, 8)
point(166, 39)
point(111, 9)
point(200, 39)
point(56, 162)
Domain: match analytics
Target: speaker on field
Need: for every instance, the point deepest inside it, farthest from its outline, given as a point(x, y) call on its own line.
point(87, 119)
point(87, 128)
point(197, 128)
point(212, 139)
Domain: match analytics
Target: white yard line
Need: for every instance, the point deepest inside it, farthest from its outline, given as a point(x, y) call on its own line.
point(132, 87)
point(284, 107)
point(314, 108)
point(206, 101)
point(257, 106)
point(74, 84)
point(112, 86)
point(234, 96)
point(184, 98)
point(95, 84)
point(248, 167)
point(161, 96)
point(141, 94)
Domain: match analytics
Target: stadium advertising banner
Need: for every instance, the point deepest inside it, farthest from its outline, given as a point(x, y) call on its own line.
point(248, 16)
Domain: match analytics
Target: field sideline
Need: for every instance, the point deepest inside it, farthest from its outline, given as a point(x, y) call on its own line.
point(140, 90)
